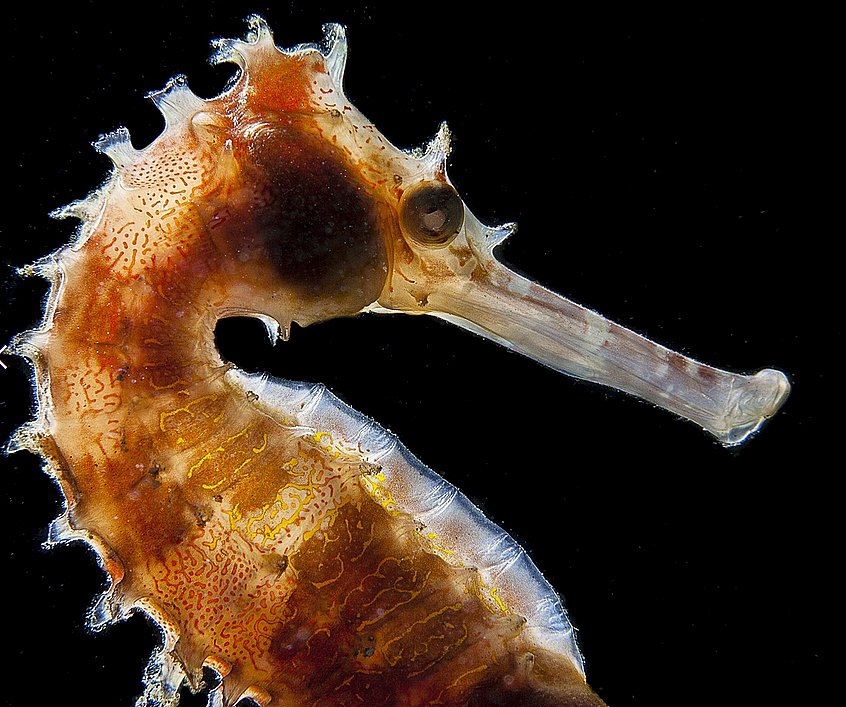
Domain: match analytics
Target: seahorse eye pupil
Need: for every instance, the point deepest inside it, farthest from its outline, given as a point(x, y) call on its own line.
point(434, 220)
point(431, 213)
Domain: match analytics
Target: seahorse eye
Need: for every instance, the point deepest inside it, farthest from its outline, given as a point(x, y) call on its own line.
point(431, 213)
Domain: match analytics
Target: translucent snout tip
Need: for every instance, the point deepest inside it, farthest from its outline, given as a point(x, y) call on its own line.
point(752, 404)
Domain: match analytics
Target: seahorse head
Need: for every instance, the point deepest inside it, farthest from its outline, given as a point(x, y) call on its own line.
point(282, 201)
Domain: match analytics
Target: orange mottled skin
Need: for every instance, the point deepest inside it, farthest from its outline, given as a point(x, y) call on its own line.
point(259, 546)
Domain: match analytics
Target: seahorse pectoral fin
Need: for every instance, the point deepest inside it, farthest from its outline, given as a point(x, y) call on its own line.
point(463, 283)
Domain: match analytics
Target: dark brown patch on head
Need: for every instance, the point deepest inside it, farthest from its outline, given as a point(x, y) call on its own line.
point(314, 218)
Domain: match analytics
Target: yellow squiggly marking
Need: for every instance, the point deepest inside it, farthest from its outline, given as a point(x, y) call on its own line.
point(454, 683)
point(323, 439)
point(186, 409)
point(295, 501)
point(374, 484)
point(221, 448)
point(502, 607)
point(235, 516)
point(445, 651)
point(212, 545)
point(320, 585)
point(409, 595)
point(489, 597)
point(449, 607)
point(443, 552)
point(259, 450)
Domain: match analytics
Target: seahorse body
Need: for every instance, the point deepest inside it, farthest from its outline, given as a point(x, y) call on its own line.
point(272, 532)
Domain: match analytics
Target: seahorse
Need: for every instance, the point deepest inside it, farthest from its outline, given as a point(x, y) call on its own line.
point(274, 534)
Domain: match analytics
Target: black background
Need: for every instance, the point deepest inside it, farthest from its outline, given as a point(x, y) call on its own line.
point(663, 170)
